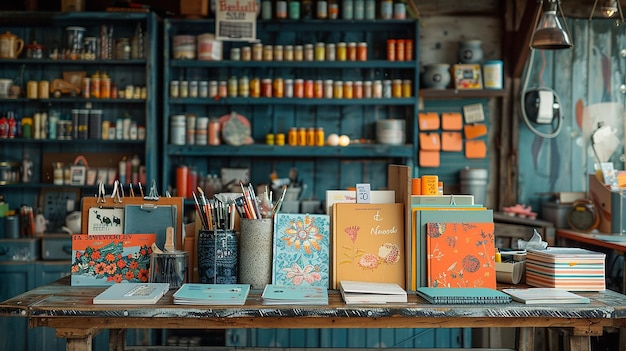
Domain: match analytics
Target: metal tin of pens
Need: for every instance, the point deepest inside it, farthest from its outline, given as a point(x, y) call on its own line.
point(169, 267)
point(217, 256)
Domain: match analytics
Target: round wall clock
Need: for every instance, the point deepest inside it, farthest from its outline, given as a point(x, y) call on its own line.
point(583, 216)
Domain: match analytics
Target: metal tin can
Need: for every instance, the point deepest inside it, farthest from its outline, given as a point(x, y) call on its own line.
point(358, 89)
point(386, 9)
point(408, 49)
point(342, 52)
point(281, 9)
point(266, 87)
point(289, 87)
point(183, 93)
point(278, 88)
point(244, 86)
point(391, 50)
point(174, 89)
point(399, 10)
point(246, 53)
point(400, 50)
point(331, 52)
point(352, 54)
point(268, 52)
point(322, 9)
point(396, 88)
point(222, 88)
point(213, 89)
point(338, 90)
point(309, 54)
point(367, 89)
point(203, 90)
point(280, 139)
point(214, 131)
point(310, 136)
point(270, 139)
point(105, 88)
point(298, 88)
point(235, 54)
point(348, 90)
point(298, 53)
point(407, 88)
point(232, 87)
point(328, 88)
point(301, 137)
point(361, 51)
point(31, 89)
point(44, 89)
point(292, 136)
point(370, 9)
point(320, 51)
point(386, 88)
point(309, 89)
point(320, 139)
point(318, 89)
point(278, 53)
point(377, 89)
point(177, 130)
point(255, 87)
point(257, 52)
point(288, 53)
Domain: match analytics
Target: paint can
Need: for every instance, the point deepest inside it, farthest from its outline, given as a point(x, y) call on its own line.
point(493, 74)
point(184, 47)
point(474, 182)
point(390, 131)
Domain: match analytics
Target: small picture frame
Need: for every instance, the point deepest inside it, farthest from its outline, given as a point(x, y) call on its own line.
point(467, 76)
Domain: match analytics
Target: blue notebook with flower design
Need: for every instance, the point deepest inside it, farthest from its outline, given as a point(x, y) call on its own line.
point(301, 249)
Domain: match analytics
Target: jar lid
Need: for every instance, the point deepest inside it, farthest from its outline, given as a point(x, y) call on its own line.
point(34, 45)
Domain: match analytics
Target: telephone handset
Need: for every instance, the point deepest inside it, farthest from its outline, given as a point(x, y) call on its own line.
point(542, 105)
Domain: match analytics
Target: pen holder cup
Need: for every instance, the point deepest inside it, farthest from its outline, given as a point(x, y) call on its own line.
point(217, 256)
point(255, 252)
point(170, 267)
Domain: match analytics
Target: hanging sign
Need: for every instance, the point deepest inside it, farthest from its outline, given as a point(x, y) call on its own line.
point(236, 20)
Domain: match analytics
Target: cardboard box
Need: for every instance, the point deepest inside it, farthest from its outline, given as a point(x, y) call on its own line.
point(611, 206)
point(194, 8)
point(101, 260)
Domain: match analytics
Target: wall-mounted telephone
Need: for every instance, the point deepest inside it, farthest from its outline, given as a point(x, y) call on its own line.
point(541, 106)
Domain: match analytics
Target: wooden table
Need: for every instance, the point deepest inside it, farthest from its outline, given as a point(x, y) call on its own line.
point(70, 311)
point(608, 241)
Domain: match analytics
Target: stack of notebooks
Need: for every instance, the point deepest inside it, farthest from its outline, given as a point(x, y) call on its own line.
point(566, 268)
point(463, 295)
point(274, 294)
point(355, 292)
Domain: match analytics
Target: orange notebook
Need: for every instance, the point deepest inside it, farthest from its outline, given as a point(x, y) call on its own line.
point(460, 255)
point(368, 243)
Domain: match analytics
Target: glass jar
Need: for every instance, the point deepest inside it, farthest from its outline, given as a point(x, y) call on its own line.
point(122, 49)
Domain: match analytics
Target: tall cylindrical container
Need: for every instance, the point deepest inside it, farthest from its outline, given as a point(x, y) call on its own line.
point(255, 252)
point(217, 256)
point(474, 182)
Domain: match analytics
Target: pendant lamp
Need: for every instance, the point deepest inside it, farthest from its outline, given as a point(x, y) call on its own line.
point(607, 9)
point(551, 32)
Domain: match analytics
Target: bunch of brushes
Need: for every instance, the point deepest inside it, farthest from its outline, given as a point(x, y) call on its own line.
point(250, 206)
point(213, 213)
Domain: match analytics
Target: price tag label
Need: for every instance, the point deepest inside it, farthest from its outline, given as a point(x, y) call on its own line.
point(363, 195)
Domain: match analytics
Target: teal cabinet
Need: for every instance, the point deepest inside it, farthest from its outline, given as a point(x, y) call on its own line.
point(275, 113)
point(17, 277)
point(50, 130)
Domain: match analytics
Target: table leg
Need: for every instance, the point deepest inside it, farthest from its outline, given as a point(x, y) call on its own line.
point(79, 344)
point(117, 339)
point(579, 343)
point(526, 339)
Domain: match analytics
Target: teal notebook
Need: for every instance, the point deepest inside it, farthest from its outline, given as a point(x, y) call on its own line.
point(463, 295)
point(212, 294)
point(289, 294)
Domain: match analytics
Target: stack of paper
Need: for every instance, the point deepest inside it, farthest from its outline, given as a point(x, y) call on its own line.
point(354, 292)
point(294, 295)
point(532, 296)
point(566, 268)
point(212, 294)
point(132, 294)
point(463, 295)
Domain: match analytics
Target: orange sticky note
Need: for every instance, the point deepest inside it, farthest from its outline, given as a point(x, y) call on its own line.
point(428, 120)
point(430, 141)
point(451, 141)
point(428, 159)
point(451, 121)
point(473, 131)
point(475, 149)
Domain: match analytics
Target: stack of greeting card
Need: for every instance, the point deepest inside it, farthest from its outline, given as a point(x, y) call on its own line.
point(368, 243)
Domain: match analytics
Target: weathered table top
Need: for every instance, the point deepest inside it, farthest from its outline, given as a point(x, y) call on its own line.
point(60, 305)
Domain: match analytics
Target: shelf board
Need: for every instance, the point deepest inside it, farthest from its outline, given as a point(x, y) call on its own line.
point(292, 101)
point(461, 94)
point(45, 185)
point(362, 150)
point(374, 64)
point(47, 62)
point(69, 99)
point(72, 141)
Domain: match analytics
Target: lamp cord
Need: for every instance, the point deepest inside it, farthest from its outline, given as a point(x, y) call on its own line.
point(524, 90)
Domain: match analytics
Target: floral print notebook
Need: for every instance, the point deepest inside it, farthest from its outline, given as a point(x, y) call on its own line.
point(301, 249)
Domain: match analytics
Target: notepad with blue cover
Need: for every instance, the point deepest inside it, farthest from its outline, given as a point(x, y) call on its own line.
point(274, 294)
point(211, 294)
point(463, 295)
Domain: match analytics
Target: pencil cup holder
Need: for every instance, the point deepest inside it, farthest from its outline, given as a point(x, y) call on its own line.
point(169, 267)
point(255, 252)
point(217, 256)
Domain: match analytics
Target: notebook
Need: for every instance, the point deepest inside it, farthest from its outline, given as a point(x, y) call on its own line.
point(463, 295)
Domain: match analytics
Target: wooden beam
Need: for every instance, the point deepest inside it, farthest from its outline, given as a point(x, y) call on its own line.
point(521, 48)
